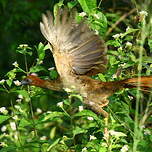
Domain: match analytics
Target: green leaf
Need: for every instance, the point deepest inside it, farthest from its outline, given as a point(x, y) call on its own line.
point(53, 74)
point(129, 38)
point(54, 143)
point(127, 65)
point(133, 57)
point(99, 22)
point(24, 123)
point(147, 59)
point(114, 43)
point(9, 82)
point(1, 89)
point(78, 130)
point(113, 60)
point(3, 118)
point(101, 77)
point(76, 96)
point(11, 74)
point(88, 5)
point(47, 47)
point(52, 115)
point(87, 113)
point(150, 44)
point(112, 52)
point(24, 52)
point(57, 6)
point(9, 149)
point(130, 30)
point(117, 134)
point(24, 93)
point(24, 49)
point(102, 149)
point(41, 51)
point(37, 68)
point(52, 132)
point(72, 4)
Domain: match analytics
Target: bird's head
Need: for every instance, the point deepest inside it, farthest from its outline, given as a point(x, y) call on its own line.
point(32, 80)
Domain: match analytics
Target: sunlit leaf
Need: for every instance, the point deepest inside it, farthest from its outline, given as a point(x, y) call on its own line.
point(88, 5)
point(52, 115)
point(130, 30)
point(3, 118)
point(53, 144)
point(37, 68)
point(79, 130)
point(9, 82)
point(53, 74)
point(102, 77)
point(41, 51)
point(87, 113)
point(150, 44)
point(72, 4)
point(114, 43)
point(24, 93)
point(24, 123)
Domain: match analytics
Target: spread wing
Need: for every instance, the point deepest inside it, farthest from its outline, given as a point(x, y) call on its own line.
point(85, 50)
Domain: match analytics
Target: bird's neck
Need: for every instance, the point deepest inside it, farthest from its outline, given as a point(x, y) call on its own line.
point(52, 85)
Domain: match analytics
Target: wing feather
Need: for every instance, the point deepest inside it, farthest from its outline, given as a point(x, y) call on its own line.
point(85, 50)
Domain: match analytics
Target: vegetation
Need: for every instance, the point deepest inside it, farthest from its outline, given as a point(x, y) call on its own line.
point(35, 119)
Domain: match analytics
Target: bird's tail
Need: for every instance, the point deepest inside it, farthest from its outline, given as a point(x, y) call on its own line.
point(143, 83)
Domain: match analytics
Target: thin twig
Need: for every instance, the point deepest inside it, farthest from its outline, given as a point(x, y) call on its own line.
point(120, 20)
point(99, 4)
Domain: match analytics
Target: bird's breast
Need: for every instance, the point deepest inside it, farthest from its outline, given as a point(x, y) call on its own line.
point(70, 80)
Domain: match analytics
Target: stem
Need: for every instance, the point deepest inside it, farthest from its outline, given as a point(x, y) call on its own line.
point(26, 67)
point(99, 4)
point(136, 127)
point(5, 88)
point(120, 20)
point(17, 130)
point(32, 114)
point(65, 112)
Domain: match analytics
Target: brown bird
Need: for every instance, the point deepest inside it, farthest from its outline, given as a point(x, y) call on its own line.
point(79, 53)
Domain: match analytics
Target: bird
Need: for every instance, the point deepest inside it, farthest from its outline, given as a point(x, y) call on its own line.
point(80, 53)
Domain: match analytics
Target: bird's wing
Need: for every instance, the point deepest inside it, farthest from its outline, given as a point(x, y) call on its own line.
point(85, 49)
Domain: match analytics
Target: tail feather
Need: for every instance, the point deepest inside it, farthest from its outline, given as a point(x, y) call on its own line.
point(144, 83)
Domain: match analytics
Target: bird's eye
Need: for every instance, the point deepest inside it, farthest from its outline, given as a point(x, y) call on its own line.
point(28, 80)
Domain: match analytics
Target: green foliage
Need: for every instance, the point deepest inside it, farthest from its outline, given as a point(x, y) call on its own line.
point(42, 120)
point(88, 5)
point(3, 118)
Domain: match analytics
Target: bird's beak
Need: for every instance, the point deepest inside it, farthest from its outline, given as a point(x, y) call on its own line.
point(23, 82)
